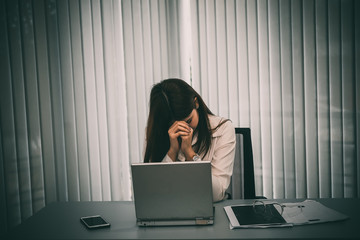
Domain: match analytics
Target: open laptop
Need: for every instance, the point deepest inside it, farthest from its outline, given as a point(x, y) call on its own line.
point(178, 193)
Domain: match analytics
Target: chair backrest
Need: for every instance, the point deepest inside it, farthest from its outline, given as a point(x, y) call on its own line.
point(242, 184)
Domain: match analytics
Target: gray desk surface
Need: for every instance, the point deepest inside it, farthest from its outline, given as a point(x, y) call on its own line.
point(61, 220)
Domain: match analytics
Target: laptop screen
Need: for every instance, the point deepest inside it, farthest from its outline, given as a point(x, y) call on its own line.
point(172, 191)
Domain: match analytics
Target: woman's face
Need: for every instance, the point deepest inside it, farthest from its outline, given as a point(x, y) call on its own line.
point(192, 119)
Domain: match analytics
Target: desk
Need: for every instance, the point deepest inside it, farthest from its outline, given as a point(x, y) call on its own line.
point(61, 221)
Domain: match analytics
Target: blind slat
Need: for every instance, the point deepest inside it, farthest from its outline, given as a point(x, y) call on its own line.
point(276, 101)
point(348, 97)
point(3, 206)
point(253, 81)
point(79, 101)
point(203, 46)
point(232, 97)
point(298, 92)
point(43, 75)
point(68, 97)
point(139, 78)
point(335, 99)
point(357, 81)
point(121, 121)
point(322, 76)
point(163, 38)
point(195, 48)
point(243, 68)
point(264, 174)
point(149, 76)
point(32, 107)
point(287, 98)
point(130, 71)
point(56, 101)
point(20, 111)
point(12, 213)
point(91, 100)
point(110, 76)
point(221, 79)
point(310, 88)
point(212, 100)
point(156, 47)
point(101, 100)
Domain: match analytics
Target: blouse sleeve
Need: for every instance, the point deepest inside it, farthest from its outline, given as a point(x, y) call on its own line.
point(223, 160)
point(167, 159)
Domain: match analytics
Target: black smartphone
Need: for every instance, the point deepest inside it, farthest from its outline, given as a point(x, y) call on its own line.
point(93, 222)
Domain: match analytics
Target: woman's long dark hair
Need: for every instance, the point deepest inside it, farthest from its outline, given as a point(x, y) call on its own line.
point(173, 100)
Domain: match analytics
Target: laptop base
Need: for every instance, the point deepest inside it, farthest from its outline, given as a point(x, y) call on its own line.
point(189, 222)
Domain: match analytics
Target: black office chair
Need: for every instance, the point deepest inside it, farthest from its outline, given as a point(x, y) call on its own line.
point(242, 185)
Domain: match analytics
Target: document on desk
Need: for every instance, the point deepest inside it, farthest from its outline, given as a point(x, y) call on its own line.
point(266, 214)
point(310, 212)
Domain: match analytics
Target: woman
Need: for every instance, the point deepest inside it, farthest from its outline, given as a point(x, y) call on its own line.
point(181, 127)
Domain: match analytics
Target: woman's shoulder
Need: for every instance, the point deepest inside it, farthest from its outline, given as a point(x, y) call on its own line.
point(225, 128)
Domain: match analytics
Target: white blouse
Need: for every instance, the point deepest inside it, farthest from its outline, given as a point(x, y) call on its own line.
point(221, 155)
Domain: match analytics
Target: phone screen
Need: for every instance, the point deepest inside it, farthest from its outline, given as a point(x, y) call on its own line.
point(94, 222)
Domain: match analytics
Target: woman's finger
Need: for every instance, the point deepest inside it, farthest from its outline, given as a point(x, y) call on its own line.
point(180, 134)
point(180, 125)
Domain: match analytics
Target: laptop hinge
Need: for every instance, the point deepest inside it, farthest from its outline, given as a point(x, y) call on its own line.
point(201, 221)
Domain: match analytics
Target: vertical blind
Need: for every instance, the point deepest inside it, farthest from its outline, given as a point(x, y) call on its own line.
point(76, 78)
point(289, 70)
